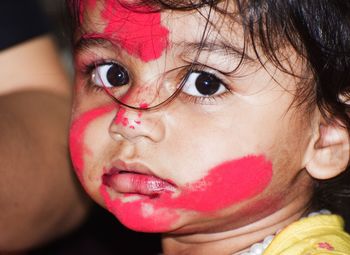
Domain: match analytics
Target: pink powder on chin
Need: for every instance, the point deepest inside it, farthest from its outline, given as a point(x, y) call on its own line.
point(131, 214)
point(77, 136)
point(139, 31)
point(225, 185)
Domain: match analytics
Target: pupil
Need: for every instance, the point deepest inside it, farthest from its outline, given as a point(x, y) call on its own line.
point(207, 84)
point(117, 75)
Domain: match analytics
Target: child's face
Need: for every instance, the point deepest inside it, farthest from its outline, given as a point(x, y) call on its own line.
point(228, 150)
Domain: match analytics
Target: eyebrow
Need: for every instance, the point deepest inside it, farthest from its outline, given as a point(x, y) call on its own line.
point(218, 47)
point(91, 40)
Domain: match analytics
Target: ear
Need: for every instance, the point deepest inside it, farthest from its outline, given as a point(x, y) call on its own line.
point(329, 151)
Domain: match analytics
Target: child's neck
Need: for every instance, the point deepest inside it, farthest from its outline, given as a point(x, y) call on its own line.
point(237, 240)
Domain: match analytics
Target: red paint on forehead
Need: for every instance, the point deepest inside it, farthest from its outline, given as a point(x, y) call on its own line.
point(85, 6)
point(225, 185)
point(139, 31)
point(77, 135)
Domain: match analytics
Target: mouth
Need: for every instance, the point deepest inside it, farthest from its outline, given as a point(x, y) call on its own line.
point(136, 182)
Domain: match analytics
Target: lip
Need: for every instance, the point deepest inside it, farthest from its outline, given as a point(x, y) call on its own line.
point(135, 179)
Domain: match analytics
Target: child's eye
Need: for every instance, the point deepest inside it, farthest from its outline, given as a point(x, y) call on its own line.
point(203, 84)
point(110, 75)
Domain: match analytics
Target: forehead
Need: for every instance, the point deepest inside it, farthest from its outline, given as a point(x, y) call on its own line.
point(123, 21)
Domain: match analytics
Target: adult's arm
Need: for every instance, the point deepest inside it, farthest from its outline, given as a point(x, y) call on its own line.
point(39, 197)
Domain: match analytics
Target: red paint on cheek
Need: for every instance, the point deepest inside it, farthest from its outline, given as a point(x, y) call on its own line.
point(139, 31)
point(77, 136)
point(225, 185)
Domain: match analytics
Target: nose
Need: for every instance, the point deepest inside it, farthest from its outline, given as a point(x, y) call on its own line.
point(134, 125)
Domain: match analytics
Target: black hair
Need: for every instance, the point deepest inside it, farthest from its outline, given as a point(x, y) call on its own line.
point(319, 32)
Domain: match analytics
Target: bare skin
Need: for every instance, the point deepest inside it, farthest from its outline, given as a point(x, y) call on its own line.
point(39, 196)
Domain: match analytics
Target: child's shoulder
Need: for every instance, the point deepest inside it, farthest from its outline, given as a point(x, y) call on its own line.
point(316, 235)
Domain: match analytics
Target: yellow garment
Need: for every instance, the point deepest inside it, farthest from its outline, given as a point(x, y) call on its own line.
point(316, 235)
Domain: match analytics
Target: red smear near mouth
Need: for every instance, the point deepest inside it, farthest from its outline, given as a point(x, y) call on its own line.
point(227, 184)
point(138, 31)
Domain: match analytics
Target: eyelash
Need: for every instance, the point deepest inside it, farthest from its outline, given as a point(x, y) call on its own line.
point(88, 67)
point(206, 100)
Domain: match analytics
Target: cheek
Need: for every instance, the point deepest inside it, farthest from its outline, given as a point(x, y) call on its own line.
point(225, 185)
point(138, 32)
point(77, 145)
point(141, 215)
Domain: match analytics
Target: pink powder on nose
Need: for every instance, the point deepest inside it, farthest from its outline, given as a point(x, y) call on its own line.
point(144, 106)
point(120, 118)
point(139, 31)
